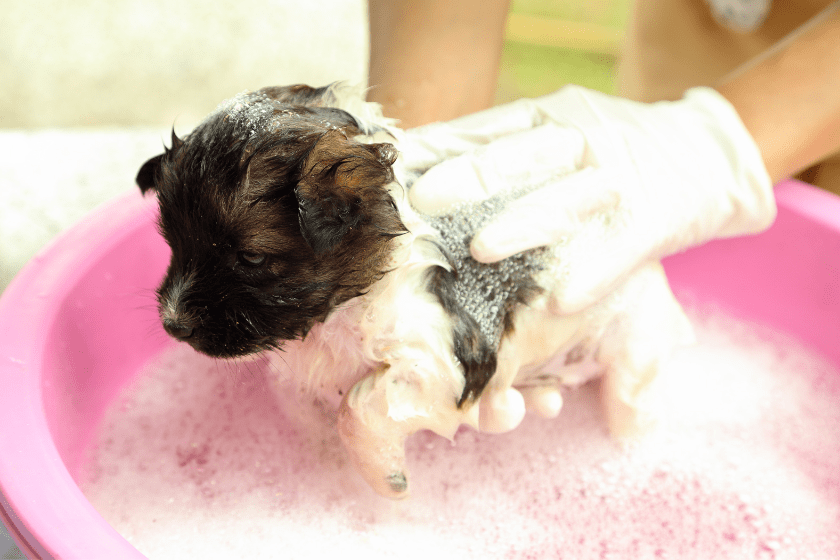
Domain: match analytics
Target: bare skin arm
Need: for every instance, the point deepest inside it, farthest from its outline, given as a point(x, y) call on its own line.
point(789, 97)
point(433, 60)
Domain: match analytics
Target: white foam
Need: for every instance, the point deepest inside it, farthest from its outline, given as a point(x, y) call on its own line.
point(201, 460)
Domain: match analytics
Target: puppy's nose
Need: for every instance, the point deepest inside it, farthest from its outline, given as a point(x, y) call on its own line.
point(178, 330)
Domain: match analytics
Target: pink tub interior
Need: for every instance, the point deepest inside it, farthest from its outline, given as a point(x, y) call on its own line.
point(79, 322)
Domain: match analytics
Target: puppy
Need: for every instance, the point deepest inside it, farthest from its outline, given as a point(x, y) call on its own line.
point(287, 216)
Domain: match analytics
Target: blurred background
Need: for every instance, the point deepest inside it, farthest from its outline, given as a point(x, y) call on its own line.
point(155, 62)
point(90, 89)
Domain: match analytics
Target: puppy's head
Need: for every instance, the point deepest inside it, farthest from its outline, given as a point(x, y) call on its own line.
point(275, 214)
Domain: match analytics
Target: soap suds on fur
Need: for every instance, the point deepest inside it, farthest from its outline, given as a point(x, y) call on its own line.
point(485, 291)
point(208, 459)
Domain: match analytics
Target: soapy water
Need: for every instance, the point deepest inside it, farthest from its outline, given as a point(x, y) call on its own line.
point(206, 459)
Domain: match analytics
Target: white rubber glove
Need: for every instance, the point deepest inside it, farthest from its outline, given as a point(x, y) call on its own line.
point(614, 183)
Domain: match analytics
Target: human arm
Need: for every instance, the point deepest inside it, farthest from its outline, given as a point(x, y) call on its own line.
point(434, 60)
point(789, 97)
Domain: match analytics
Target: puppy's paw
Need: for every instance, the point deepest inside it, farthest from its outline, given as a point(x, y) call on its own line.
point(382, 410)
point(374, 441)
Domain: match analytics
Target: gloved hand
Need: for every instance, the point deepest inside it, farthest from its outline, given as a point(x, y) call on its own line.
point(612, 182)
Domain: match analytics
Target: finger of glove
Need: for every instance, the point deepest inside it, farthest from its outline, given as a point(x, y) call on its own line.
point(586, 281)
point(545, 400)
point(501, 410)
point(428, 145)
point(514, 162)
point(596, 260)
point(546, 216)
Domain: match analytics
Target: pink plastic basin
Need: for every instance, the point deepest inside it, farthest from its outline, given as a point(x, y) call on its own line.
point(80, 321)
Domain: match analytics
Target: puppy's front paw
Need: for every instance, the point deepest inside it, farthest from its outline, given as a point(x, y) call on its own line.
point(379, 413)
point(374, 441)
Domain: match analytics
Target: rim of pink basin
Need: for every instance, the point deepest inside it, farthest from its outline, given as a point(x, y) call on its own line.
point(115, 256)
point(804, 242)
point(46, 512)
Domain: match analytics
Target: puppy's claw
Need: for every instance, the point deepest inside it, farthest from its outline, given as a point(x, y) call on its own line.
point(398, 482)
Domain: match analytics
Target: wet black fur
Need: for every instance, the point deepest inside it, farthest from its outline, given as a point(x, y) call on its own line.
point(477, 355)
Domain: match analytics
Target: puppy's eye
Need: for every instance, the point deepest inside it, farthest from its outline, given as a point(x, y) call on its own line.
point(251, 259)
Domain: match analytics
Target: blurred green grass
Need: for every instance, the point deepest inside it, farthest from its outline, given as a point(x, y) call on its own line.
point(534, 64)
point(612, 13)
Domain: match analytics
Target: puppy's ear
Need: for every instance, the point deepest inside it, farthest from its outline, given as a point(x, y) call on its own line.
point(148, 172)
point(146, 177)
point(342, 188)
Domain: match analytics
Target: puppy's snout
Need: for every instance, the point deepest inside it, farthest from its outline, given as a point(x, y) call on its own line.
point(177, 329)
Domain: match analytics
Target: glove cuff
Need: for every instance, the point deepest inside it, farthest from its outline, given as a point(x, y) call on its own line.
point(751, 194)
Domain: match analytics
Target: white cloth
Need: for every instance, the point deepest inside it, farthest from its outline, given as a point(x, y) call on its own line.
point(740, 15)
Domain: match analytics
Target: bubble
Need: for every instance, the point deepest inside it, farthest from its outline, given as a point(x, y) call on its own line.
point(485, 291)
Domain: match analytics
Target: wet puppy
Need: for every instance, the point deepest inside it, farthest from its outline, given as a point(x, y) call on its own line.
point(287, 216)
